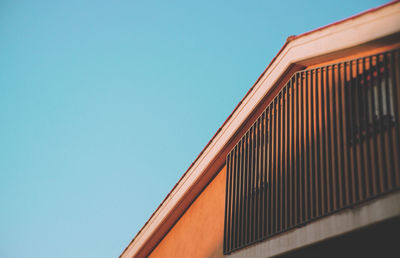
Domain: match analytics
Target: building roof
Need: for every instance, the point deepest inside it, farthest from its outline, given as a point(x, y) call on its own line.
point(356, 30)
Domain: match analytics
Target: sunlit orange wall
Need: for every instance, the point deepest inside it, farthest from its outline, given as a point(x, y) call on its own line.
point(199, 232)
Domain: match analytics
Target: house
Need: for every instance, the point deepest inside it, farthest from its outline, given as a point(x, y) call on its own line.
point(307, 164)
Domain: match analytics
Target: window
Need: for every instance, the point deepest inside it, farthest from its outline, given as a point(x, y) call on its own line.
point(370, 98)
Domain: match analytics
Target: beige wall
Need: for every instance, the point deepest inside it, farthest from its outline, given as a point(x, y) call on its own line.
point(199, 232)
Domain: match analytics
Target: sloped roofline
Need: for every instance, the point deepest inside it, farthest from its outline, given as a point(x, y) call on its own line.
point(355, 30)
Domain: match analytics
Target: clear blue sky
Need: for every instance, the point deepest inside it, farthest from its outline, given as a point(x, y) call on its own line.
point(105, 104)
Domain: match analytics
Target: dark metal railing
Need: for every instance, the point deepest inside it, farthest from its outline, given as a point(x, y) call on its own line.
point(330, 139)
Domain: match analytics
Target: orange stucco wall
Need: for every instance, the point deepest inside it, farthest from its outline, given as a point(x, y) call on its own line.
point(199, 232)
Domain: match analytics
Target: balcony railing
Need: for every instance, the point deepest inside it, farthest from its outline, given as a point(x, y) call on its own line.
point(330, 139)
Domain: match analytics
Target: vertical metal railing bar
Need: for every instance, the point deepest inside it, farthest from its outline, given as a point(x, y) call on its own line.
point(286, 160)
point(353, 168)
point(245, 192)
point(246, 181)
point(376, 178)
point(292, 157)
point(257, 177)
point(346, 141)
point(291, 183)
point(327, 134)
point(315, 135)
point(380, 125)
point(239, 190)
point(312, 145)
point(281, 171)
point(337, 142)
point(243, 186)
point(310, 159)
point(275, 167)
point(242, 202)
point(275, 185)
point(249, 218)
point(340, 116)
point(323, 143)
point(297, 177)
point(261, 183)
point(310, 140)
point(237, 210)
point(242, 156)
point(245, 204)
point(270, 171)
point(261, 179)
point(278, 162)
point(250, 185)
point(314, 153)
point(249, 173)
point(282, 160)
point(263, 175)
point(333, 139)
point(365, 125)
point(258, 182)
point(391, 169)
point(374, 127)
point(265, 172)
point(384, 114)
point(353, 99)
point(333, 158)
point(254, 174)
point(239, 172)
point(301, 146)
point(364, 140)
point(396, 67)
point(307, 176)
point(258, 185)
point(287, 157)
point(255, 180)
point(235, 200)
point(327, 172)
point(317, 145)
point(357, 144)
point(324, 162)
point(343, 134)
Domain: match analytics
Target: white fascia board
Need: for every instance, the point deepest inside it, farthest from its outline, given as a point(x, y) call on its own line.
point(355, 31)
